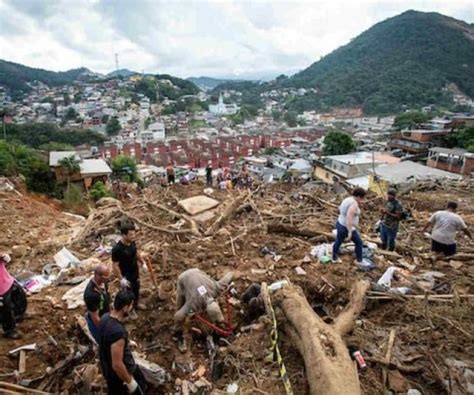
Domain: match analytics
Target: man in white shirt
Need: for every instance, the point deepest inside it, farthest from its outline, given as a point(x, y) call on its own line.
point(446, 224)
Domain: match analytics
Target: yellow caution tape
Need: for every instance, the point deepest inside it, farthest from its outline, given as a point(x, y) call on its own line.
point(277, 354)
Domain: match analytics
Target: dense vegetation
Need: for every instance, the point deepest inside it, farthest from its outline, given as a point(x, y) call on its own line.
point(461, 138)
point(338, 143)
point(38, 134)
point(17, 159)
point(124, 168)
point(15, 77)
point(407, 60)
point(250, 93)
point(410, 120)
point(157, 87)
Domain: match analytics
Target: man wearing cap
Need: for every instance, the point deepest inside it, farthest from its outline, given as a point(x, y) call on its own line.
point(391, 214)
point(196, 292)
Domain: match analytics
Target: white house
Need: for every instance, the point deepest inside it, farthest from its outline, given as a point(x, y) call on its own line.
point(155, 132)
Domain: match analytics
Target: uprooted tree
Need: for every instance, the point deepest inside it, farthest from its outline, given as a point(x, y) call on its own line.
point(329, 368)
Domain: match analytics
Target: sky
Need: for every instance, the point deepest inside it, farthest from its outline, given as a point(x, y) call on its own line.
point(228, 38)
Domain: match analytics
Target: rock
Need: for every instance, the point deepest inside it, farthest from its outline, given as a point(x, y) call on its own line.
point(300, 271)
point(89, 264)
point(165, 290)
point(107, 201)
point(19, 250)
point(456, 264)
point(253, 327)
point(397, 382)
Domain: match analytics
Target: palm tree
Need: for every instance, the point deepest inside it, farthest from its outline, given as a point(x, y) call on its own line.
point(71, 165)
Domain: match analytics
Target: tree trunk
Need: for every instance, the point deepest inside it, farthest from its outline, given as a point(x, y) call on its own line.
point(329, 368)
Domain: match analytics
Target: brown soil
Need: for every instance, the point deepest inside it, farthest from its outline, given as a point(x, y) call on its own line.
point(426, 332)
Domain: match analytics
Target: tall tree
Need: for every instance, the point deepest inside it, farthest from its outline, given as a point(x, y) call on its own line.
point(113, 126)
point(410, 120)
point(338, 143)
point(71, 165)
point(291, 119)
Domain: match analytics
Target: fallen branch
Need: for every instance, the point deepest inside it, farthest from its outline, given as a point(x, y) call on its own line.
point(388, 355)
point(157, 228)
point(20, 389)
point(194, 228)
point(226, 215)
point(295, 231)
point(319, 201)
point(391, 364)
point(455, 257)
point(433, 298)
point(329, 368)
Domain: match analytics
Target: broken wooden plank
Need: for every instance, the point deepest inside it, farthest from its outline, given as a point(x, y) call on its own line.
point(21, 389)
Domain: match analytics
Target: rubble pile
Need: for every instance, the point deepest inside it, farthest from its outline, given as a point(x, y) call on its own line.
point(415, 330)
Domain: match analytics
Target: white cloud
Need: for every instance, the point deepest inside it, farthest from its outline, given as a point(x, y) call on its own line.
point(192, 37)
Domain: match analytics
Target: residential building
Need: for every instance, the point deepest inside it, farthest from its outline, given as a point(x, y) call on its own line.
point(90, 170)
point(417, 141)
point(404, 173)
point(455, 160)
point(464, 120)
point(345, 167)
point(155, 132)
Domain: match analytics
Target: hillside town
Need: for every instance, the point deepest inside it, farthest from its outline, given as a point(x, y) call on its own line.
point(278, 200)
point(156, 137)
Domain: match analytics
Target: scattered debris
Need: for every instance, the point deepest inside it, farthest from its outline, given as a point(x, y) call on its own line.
point(436, 315)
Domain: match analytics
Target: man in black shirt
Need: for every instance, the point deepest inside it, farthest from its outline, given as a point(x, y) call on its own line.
point(209, 175)
point(116, 359)
point(125, 258)
point(97, 298)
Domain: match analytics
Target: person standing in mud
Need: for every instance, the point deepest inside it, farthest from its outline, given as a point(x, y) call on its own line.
point(391, 215)
point(118, 366)
point(170, 174)
point(126, 259)
point(6, 306)
point(209, 175)
point(346, 225)
point(97, 298)
point(445, 225)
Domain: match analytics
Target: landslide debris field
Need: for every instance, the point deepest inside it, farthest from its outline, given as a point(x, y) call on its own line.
point(421, 341)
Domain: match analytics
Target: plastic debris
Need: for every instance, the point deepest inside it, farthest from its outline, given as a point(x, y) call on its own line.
point(65, 258)
point(232, 388)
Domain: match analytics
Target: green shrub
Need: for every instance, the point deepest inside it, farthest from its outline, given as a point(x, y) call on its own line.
point(74, 196)
point(98, 191)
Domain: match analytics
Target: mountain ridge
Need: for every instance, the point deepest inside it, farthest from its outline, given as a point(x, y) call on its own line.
point(17, 77)
point(402, 61)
